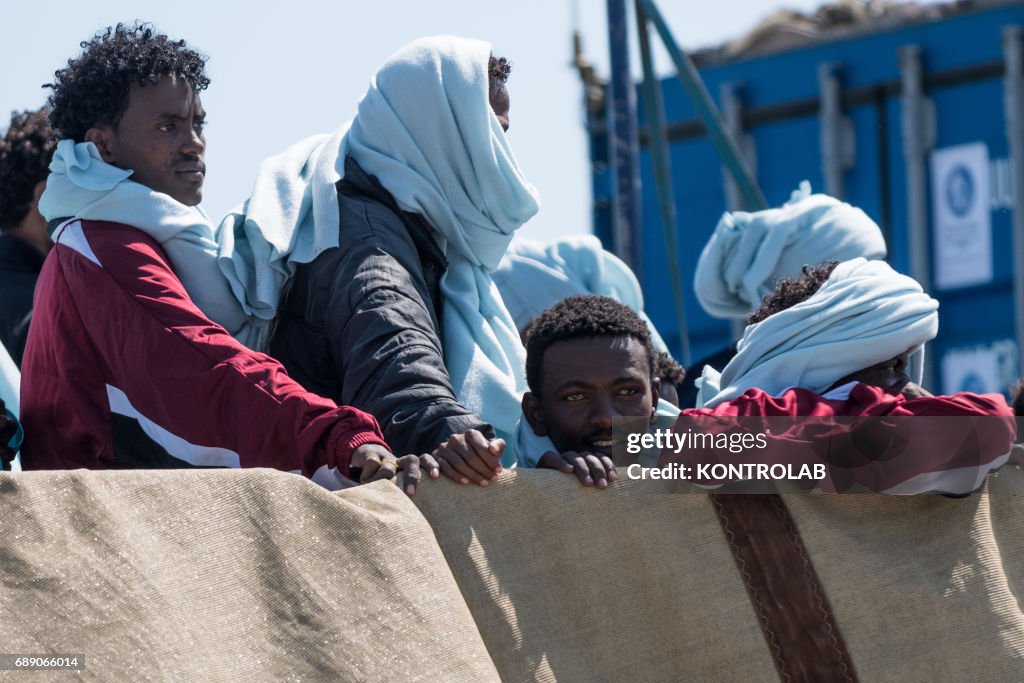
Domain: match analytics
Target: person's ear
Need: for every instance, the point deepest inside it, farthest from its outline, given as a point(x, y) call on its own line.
point(103, 138)
point(533, 414)
point(901, 362)
point(37, 192)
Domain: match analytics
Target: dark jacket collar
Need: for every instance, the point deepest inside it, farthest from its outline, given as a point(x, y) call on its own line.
point(358, 182)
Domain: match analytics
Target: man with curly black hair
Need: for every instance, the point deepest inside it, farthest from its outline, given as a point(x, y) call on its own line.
point(122, 369)
point(590, 365)
point(25, 152)
point(134, 93)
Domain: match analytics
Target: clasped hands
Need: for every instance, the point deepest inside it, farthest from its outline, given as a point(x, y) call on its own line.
point(471, 457)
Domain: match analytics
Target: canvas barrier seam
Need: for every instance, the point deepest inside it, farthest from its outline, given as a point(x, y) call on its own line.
point(785, 608)
point(843, 658)
point(755, 598)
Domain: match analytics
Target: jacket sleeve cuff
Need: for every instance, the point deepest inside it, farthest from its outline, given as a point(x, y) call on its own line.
point(346, 446)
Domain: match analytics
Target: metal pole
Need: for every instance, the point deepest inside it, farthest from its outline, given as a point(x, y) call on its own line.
point(1013, 83)
point(624, 138)
point(658, 146)
point(732, 114)
point(918, 139)
point(708, 113)
point(836, 150)
point(916, 145)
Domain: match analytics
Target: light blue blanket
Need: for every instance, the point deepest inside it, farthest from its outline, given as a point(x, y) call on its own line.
point(290, 218)
point(82, 185)
point(865, 313)
point(749, 252)
point(535, 275)
point(425, 129)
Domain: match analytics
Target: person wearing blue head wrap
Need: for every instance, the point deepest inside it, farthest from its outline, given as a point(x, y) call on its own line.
point(384, 296)
point(862, 313)
point(533, 276)
point(845, 340)
point(827, 376)
point(749, 252)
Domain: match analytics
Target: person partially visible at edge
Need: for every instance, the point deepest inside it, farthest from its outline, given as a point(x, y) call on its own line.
point(8, 434)
point(1017, 404)
point(591, 368)
point(393, 308)
point(121, 369)
point(11, 433)
point(748, 253)
point(845, 340)
point(671, 374)
point(25, 152)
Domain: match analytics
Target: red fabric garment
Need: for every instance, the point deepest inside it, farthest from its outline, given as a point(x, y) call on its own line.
point(870, 437)
point(121, 370)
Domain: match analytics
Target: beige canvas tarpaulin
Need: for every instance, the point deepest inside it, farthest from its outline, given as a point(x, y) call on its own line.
point(573, 584)
point(924, 588)
point(259, 575)
point(627, 584)
point(227, 575)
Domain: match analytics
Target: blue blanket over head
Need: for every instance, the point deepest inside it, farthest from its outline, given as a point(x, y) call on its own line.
point(865, 313)
point(426, 131)
point(749, 252)
point(535, 275)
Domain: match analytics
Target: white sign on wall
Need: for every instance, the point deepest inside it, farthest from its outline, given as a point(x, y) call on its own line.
point(962, 225)
point(989, 368)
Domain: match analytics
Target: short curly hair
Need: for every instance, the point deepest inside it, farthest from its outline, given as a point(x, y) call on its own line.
point(789, 291)
point(93, 88)
point(25, 153)
point(577, 317)
point(667, 369)
point(499, 68)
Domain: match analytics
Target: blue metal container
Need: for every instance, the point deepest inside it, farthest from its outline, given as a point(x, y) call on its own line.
point(964, 81)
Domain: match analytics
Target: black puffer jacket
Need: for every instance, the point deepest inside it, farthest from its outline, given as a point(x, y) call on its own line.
point(360, 324)
point(20, 263)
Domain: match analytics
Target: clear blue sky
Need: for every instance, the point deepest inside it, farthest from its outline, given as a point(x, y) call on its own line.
point(284, 70)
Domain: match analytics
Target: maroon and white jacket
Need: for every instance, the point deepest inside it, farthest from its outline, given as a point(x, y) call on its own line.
point(121, 370)
point(872, 439)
